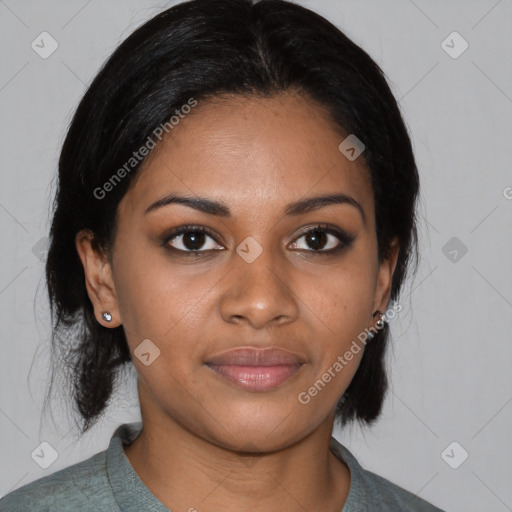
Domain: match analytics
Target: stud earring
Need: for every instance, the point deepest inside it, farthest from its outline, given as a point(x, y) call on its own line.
point(107, 316)
point(379, 324)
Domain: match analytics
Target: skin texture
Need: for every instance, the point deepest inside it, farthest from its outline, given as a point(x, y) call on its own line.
point(256, 155)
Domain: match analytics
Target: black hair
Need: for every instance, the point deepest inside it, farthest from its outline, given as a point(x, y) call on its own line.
point(203, 49)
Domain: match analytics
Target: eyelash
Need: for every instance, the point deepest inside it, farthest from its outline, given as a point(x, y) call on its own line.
point(344, 238)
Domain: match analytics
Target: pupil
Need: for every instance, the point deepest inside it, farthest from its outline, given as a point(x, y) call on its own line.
point(316, 239)
point(196, 239)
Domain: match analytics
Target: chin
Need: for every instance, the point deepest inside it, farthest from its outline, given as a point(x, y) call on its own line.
point(258, 429)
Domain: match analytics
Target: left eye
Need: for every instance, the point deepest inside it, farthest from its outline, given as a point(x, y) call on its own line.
point(322, 240)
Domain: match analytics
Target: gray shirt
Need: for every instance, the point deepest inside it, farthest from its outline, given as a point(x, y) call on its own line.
point(107, 482)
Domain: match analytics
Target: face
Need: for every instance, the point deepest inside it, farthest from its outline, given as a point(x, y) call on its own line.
point(250, 271)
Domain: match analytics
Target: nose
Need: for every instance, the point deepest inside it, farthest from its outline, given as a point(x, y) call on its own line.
point(259, 293)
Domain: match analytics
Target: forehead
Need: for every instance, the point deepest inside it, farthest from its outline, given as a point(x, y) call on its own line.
point(252, 153)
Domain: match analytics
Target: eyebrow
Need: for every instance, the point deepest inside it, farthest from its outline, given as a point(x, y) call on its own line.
point(220, 209)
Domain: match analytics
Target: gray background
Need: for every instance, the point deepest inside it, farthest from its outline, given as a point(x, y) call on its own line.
point(451, 352)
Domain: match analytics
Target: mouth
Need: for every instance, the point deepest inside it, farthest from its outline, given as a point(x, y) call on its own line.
point(256, 369)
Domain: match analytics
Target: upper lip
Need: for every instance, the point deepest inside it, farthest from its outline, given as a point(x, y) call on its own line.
point(251, 356)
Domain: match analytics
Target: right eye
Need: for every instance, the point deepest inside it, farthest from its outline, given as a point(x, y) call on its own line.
point(190, 239)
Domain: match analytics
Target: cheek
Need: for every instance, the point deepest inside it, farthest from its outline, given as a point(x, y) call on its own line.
point(336, 310)
point(173, 310)
point(337, 302)
point(153, 296)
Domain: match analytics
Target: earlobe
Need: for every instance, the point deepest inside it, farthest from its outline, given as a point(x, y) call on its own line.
point(386, 272)
point(98, 280)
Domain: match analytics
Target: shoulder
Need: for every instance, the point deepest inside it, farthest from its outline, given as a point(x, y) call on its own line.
point(369, 491)
point(389, 496)
point(82, 486)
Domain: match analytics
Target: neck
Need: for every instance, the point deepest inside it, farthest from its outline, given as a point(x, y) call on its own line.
point(188, 472)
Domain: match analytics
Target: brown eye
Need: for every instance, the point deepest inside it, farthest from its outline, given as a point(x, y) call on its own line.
point(317, 239)
point(191, 239)
point(324, 240)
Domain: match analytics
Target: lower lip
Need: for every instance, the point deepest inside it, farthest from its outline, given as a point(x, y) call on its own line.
point(256, 378)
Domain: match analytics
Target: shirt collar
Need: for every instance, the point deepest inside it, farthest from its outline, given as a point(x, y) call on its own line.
point(358, 499)
point(131, 493)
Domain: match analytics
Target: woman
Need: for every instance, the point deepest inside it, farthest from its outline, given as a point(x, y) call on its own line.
point(235, 217)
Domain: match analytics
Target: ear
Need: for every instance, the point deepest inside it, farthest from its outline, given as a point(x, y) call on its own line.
point(386, 270)
point(98, 279)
